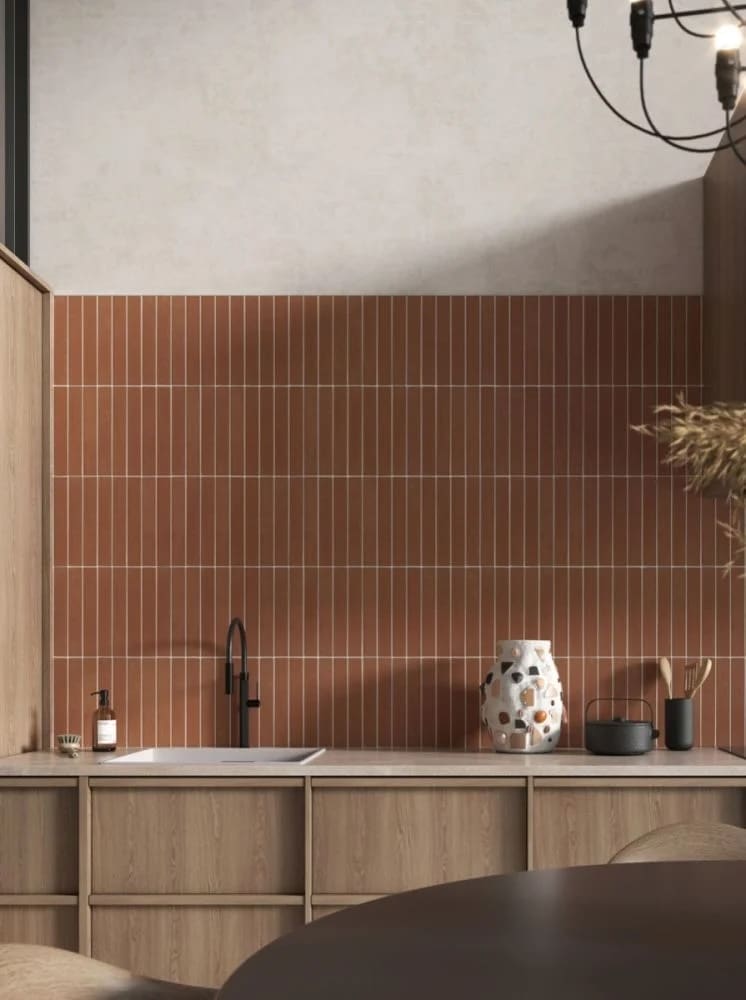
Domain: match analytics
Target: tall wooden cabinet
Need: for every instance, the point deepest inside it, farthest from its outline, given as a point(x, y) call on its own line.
point(24, 506)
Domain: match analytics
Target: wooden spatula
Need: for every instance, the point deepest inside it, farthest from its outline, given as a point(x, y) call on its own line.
point(695, 678)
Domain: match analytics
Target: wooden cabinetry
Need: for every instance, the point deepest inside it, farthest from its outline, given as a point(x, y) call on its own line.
point(39, 861)
point(190, 877)
point(585, 822)
point(183, 879)
point(376, 837)
point(221, 837)
point(200, 945)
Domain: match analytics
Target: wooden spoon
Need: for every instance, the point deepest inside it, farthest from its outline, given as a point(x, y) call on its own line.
point(666, 673)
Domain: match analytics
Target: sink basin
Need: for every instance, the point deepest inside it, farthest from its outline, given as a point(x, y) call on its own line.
point(218, 755)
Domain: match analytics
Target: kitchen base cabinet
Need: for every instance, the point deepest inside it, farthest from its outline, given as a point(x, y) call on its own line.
point(577, 822)
point(39, 838)
point(196, 945)
point(55, 926)
point(197, 837)
point(377, 837)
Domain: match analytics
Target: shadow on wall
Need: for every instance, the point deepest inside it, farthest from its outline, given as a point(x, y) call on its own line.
point(579, 254)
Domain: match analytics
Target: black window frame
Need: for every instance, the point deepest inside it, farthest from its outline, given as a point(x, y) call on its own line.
point(16, 193)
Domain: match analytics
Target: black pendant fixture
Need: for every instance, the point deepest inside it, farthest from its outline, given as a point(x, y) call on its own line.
point(728, 39)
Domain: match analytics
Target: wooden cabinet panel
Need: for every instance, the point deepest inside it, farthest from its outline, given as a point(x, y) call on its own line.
point(38, 841)
point(56, 926)
point(24, 402)
point(198, 945)
point(586, 826)
point(326, 911)
point(387, 839)
point(197, 840)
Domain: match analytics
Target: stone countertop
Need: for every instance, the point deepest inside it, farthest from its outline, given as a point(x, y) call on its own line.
point(708, 763)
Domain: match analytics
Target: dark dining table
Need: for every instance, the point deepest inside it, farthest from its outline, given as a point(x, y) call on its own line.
point(632, 931)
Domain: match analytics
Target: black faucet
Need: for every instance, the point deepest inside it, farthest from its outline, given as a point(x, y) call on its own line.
point(244, 702)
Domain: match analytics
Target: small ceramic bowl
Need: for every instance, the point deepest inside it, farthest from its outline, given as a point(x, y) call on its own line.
point(69, 743)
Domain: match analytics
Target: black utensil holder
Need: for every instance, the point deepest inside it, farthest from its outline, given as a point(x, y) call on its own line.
point(679, 723)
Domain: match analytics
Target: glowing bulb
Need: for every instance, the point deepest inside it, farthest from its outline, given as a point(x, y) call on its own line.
point(728, 38)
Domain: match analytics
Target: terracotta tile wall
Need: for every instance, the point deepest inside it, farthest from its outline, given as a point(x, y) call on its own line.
point(383, 488)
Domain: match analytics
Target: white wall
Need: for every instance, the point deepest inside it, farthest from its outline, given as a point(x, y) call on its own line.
point(357, 146)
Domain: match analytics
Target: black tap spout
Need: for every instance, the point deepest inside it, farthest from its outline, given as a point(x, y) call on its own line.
point(244, 702)
point(236, 623)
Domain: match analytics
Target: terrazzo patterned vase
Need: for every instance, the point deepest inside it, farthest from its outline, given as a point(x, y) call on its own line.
point(522, 698)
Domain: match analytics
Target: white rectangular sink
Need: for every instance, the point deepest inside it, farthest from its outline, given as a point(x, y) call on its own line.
point(218, 755)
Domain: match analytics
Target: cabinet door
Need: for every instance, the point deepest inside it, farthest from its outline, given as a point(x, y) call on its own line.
point(583, 824)
point(195, 945)
point(379, 837)
point(221, 839)
point(55, 926)
point(38, 840)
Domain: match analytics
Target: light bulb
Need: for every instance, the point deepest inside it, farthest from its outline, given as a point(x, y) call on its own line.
point(728, 38)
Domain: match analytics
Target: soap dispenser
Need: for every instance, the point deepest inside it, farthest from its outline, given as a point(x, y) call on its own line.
point(104, 723)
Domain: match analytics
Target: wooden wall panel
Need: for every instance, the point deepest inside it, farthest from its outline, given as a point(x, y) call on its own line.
point(38, 841)
point(55, 926)
point(24, 408)
point(200, 946)
point(587, 826)
point(198, 840)
point(381, 840)
point(724, 269)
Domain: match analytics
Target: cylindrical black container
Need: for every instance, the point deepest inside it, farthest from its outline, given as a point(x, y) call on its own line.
point(679, 724)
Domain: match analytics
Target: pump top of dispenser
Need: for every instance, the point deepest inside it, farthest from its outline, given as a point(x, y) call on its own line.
point(103, 697)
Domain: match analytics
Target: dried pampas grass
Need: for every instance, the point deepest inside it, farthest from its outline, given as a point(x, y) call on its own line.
point(709, 442)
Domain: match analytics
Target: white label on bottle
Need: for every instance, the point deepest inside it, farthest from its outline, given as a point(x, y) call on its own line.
point(106, 732)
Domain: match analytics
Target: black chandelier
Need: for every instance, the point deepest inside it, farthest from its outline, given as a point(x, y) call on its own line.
point(728, 40)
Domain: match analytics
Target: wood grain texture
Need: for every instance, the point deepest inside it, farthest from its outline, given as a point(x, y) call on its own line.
point(376, 840)
point(84, 867)
point(197, 840)
point(587, 826)
point(50, 974)
point(56, 926)
point(687, 842)
point(724, 288)
point(38, 840)
point(22, 512)
point(325, 911)
point(197, 946)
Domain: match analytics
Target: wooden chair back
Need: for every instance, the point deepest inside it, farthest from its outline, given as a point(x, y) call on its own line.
point(686, 842)
point(35, 971)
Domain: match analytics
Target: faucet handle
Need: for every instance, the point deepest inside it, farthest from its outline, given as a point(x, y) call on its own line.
point(254, 702)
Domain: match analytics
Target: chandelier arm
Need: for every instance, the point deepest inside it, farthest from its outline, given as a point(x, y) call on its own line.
point(688, 31)
point(628, 121)
point(669, 140)
point(729, 6)
point(733, 142)
point(606, 101)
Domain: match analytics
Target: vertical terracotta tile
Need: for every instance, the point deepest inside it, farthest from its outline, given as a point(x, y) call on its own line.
point(119, 340)
point(178, 329)
point(149, 343)
point(163, 340)
point(150, 702)
point(74, 340)
point(105, 637)
point(60, 433)
point(60, 341)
